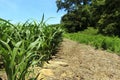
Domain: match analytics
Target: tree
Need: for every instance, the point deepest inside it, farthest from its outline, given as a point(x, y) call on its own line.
point(70, 5)
point(96, 11)
point(109, 22)
point(71, 22)
point(78, 14)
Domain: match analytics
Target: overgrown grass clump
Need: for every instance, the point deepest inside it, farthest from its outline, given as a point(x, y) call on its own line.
point(24, 45)
point(90, 37)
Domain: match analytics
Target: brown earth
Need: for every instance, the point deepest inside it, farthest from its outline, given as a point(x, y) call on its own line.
point(76, 61)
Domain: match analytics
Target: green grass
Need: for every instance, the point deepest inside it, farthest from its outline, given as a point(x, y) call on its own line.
point(90, 37)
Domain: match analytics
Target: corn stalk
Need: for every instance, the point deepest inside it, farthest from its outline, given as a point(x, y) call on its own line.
point(24, 45)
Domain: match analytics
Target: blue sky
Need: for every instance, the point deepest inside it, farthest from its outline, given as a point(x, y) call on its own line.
point(22, 10)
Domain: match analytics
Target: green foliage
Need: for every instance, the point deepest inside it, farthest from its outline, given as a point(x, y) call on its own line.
point(70, 5)
point(90, 31)
point(71, 22)
point(109, 24)
point(107, 16)
point(78, 16)
point(77, 20)
point(96, 11)
point(98, 41)
point(24, 45)
point(101, 14)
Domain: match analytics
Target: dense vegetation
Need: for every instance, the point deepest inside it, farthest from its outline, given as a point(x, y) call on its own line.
point(78, 14)
point(102, 15)
point(81, 14)
point(90, 37)
point(25, 45)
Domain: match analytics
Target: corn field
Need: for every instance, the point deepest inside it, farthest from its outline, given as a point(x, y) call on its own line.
point(25, 45)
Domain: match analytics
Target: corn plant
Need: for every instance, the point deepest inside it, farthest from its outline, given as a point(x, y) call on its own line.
point(50, 40)
point(24, 45)
point(18, 53)
point(18, 60)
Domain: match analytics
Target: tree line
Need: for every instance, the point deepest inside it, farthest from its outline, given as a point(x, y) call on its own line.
point(101, 14)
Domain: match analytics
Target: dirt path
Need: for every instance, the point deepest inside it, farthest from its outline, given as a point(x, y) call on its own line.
point(81, 62)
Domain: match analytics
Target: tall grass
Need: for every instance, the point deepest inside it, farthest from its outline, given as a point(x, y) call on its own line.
point(111, 44)
point(24, 45)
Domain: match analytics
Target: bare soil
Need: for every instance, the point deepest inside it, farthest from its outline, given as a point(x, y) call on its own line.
point(76, 61)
